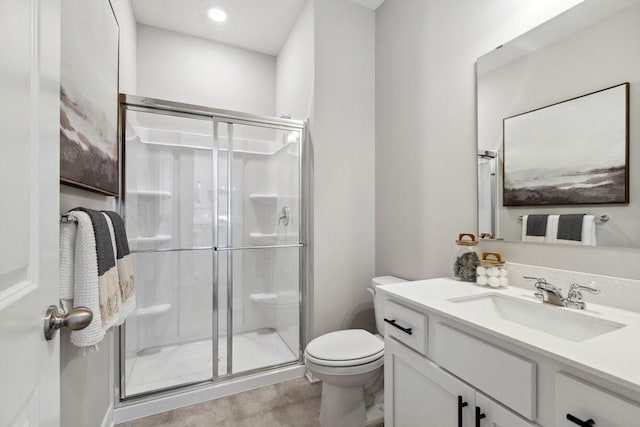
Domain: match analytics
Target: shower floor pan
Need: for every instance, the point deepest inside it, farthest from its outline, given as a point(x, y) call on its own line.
point(169, 366)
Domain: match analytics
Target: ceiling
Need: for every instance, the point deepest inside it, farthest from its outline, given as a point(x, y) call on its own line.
point(258, 25)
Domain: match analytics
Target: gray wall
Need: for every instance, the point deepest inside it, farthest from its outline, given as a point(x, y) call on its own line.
point(325, 72)
point(425, 125)
point(343, 127)
point(86, 382)
point(188, 69)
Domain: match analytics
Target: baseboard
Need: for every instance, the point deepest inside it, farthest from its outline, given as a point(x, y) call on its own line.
point(107, 421)
point(310, 377)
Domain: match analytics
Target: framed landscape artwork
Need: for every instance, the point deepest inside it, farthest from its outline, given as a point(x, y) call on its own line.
point(571, 153)
point(89, 96)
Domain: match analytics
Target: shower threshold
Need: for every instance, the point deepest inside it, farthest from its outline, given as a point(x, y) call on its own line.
point(161, 367)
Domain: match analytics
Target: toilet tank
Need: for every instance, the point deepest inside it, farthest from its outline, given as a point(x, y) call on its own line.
point(378, 298)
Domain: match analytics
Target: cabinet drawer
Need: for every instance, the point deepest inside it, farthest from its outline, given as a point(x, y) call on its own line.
point(406, 325)
point(585, 401)
point(504, 376)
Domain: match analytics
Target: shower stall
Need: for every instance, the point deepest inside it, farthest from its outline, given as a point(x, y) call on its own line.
point(213, 206)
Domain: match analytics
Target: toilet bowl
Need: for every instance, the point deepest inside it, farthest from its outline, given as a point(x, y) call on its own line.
point(349, 363)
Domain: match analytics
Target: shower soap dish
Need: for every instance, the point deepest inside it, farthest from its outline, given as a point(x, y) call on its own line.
point(492, 271)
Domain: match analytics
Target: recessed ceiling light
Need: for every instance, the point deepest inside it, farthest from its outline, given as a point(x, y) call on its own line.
point(217, 15)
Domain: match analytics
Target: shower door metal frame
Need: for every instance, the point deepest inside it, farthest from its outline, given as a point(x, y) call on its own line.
point(217, 116)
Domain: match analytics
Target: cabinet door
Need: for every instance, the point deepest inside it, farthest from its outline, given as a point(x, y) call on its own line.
point(577, 402)
point(419, 393)
point(495, 415)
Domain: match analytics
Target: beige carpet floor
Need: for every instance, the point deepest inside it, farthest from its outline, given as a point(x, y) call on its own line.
point(293, 403)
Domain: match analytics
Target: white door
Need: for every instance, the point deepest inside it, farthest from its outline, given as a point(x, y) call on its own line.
point(418, 393)
point(29, 198)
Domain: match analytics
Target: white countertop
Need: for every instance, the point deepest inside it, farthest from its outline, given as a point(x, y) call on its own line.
point(613, 356)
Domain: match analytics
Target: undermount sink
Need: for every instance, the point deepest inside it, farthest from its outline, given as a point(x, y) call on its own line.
point(553, 320)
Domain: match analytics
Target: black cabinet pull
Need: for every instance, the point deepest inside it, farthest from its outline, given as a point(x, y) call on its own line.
point(461, 404)
point(576, 420)
point(393, 323)
point(479, 416)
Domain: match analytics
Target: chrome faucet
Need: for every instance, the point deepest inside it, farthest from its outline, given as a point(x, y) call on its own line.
point(551, 294)
point(546, 291)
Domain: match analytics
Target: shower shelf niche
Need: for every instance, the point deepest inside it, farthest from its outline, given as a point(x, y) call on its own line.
point(268, 197)
point(151, 310)
point(150, 193)
point(151, 239)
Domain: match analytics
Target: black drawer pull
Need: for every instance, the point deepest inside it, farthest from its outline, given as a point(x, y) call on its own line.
point(479, 416)
point(393, 323)
point(461, 404)
point(576, 420)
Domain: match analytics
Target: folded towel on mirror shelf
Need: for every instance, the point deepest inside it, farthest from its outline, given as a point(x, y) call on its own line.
point(534, 228)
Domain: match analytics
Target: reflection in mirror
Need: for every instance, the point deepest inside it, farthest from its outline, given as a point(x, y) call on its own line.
point(591, 47)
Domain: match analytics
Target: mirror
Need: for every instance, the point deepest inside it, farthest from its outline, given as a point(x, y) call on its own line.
point(550, 78)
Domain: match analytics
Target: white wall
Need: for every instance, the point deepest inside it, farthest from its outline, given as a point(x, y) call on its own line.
point(343, 154)
point(188, 69)
point(90, 379)
point(128, 45)
point(425, 123)
point(294, 68)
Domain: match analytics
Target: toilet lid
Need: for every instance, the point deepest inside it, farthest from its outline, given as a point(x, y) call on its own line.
point(355, 346)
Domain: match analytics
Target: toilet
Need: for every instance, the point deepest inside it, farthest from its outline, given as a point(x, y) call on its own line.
point(349, 364)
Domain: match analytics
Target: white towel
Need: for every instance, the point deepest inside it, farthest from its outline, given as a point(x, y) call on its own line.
point(552, 229)
point(589, 230)
point(79, 275)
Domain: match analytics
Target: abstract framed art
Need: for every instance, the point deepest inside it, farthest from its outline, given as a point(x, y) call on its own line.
point(89, 96)
point(574, 152)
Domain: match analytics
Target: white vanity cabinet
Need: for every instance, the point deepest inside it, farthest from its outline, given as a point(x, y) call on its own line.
point(419, 393)
point(581, 404)
point(445, 372)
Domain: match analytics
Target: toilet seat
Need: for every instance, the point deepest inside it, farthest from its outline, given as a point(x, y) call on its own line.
point(351, 347)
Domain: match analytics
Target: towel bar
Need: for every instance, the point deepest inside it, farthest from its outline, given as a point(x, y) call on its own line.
point(599, 219)
point(65, 219)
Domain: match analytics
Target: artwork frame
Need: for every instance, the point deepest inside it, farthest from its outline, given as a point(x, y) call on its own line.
point(89, 88)
point(573, 152)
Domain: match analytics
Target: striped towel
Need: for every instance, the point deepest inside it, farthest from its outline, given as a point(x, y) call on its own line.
point(123, 262)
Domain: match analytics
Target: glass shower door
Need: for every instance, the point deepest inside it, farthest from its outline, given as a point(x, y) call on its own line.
point(258, 254)
point(168, 210)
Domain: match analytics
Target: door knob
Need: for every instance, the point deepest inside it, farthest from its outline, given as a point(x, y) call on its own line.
point(76, 319)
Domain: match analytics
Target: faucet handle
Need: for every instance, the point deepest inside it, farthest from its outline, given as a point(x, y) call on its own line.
point(542, 284)
point(539, 280)
point(574, 297)
point(576, 288)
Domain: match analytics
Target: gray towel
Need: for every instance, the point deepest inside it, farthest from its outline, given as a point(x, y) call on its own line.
point(570, 227)
point(537, 225)
point(125, 267)
point(108, 285)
